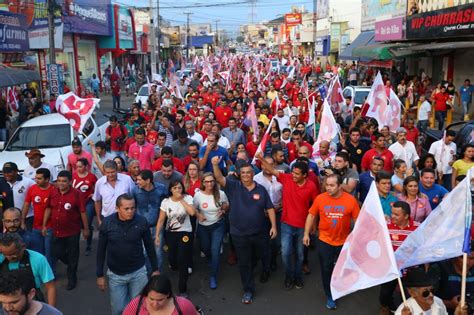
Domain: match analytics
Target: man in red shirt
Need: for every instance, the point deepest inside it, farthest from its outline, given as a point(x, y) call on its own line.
point(295, 144)
point(38, 196)
point(167, 154)
point(412, 131)
point(440, 99)
point(77, 153)
point(141, 150)
point(298, 196)
point(67, 211)
point(193, 154)
point(399, 227)
point(116, 134)
point(115, 95)
point(223, 113)
point(381, 151)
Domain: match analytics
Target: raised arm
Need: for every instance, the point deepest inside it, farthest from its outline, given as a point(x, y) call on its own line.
point(217, 172)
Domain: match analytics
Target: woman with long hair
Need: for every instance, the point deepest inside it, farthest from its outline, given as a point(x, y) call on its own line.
point(191, 179)
point(121, 165)
point(212, 204)
point(462, 165)
point(84, 181)
point(428, 161)
point(419, 202)
point(177, 209)
point(399, 175)
point(389, 137)
point(157, 298)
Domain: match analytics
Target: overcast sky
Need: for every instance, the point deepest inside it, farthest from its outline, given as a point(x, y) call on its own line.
point(230, 16)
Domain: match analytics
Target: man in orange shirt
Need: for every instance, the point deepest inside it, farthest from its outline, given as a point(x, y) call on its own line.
point(334, 209)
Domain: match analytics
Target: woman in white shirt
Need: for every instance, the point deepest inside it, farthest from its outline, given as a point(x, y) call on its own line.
point(177, 208)
point(211, 204)
point(399, 175)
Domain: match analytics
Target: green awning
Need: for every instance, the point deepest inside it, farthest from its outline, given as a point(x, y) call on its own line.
point(379, 51)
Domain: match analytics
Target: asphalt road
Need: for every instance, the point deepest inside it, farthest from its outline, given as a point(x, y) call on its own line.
point(270, 298)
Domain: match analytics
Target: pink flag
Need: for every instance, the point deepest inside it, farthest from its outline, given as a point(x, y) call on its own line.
point(251, 120)
point(377, 100)
point(395, 106)
point(246, 82)
point(263, 142)
point(328, 129)
point(335, 95)
point(367, 257)
point(75, 109)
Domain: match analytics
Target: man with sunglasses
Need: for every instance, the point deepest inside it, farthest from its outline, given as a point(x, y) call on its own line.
point(422, 300)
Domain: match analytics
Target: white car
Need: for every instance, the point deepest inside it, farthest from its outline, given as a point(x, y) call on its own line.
point(142, 95)
point(358, 94)
point(52, 134)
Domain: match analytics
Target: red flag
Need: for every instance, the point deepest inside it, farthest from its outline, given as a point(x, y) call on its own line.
point(75, 109)
point(263, 142)
point(11, 99)
point(335, 93)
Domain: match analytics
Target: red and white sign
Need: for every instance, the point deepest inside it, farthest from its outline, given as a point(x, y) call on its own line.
point(378, 102)
point(329, 129)
point(75, 109)
point(12, 101)
point(292, 19)
point(366, 258)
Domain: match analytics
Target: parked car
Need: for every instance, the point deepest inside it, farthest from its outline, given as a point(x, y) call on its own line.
point(358, 94)
point(141, 96)
point(464, 134)
point(52, 134)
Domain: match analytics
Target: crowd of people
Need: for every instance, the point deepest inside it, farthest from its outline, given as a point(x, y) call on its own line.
point(180, 173)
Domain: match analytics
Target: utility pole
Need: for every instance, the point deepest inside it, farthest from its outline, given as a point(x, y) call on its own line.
point(153, 41)
point(315, 28)
point(52, 49)
point(217, 33)
point(159, 34)
point(188, 38)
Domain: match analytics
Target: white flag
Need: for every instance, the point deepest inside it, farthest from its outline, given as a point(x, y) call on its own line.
point(75, 109)
point(395, 110)
point(441, 235)
point(328, 129)
point(312, 113)
point(378, 102)
point(367, 257)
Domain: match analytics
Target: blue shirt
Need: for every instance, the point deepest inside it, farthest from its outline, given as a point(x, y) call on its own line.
point(39, 265)
point(247, 208)
point(365, 180)
point(435, 194)
point(220, 152)
point(466, 93)
point(148, 202)
point(387, 203)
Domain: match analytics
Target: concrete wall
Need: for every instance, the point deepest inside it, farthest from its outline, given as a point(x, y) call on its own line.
point(463, 68)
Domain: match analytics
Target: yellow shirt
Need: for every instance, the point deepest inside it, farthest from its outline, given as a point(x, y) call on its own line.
point(264, 119)
point(462, 167)
point(271, 95)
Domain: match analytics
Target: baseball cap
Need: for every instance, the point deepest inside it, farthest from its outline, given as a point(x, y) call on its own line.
point(9, 167)
point(76, 142)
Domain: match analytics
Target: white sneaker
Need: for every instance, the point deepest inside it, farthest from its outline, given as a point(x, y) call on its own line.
point(203, 255)
point(190, 270)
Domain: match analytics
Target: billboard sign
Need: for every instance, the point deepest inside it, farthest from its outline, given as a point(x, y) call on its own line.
point(447, 22)
point(293, 19)
point(13, 32)
point(389, 30)
point(388, 9)
point(55, 79)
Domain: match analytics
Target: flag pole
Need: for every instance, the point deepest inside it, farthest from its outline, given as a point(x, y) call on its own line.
point(404, 298)
point(463, 279)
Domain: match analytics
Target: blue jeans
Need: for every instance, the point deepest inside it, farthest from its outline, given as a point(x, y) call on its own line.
point(422, 125)
point(447, 181)
point(90, 213)
point(465, 109)
point(211, 237)
point(158, 250)
point(3, 134)
point(440, 118)
point(292, 242)
point(43, 244)
point(123, 288)
point(328, 255)
point(116, 101)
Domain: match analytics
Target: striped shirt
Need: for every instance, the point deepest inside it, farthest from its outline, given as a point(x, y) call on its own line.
point(398, 234)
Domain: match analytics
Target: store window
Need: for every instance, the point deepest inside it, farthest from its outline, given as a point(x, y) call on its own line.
point(87, 59)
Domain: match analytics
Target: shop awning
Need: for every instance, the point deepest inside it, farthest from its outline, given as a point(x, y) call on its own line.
point(10, 77)
point(378, 51)
point(363, 39)
point(446, 45)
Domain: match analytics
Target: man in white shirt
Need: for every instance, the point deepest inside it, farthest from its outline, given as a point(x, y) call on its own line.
point(34, 160)
point(423, 114)
point(283, 120)
point(192, 134)
point(404, 149)
point(223, 141)
point(444, 151)
point(422, 300)
point(108, 188)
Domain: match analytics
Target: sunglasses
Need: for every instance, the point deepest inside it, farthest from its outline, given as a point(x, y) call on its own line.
point(427, 293)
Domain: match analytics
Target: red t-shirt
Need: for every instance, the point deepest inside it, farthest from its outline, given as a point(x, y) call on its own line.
point(296, 200)
point(293, 152)
point(177, 163)
point(222, 115)
point(152, 136)
point(128, 143)
point(412, 135)
point(143, 153)
point(115, 133)
point(39, 199)
point(251, 149)
point(193, 187)
point(72, 159)
point(440, 100)
point(187, 160)
point(85, 184)
point(386, 155)
point(66, 212)
point(398, 235)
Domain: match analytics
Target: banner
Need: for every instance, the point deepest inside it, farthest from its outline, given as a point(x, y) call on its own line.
point(322, 46)
point(87, 16)
point(373, 9)
point(450, 22)
point(13, 32)
point(389, 29)
point(55, 79)
point(293, 19)
point(75, 109)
